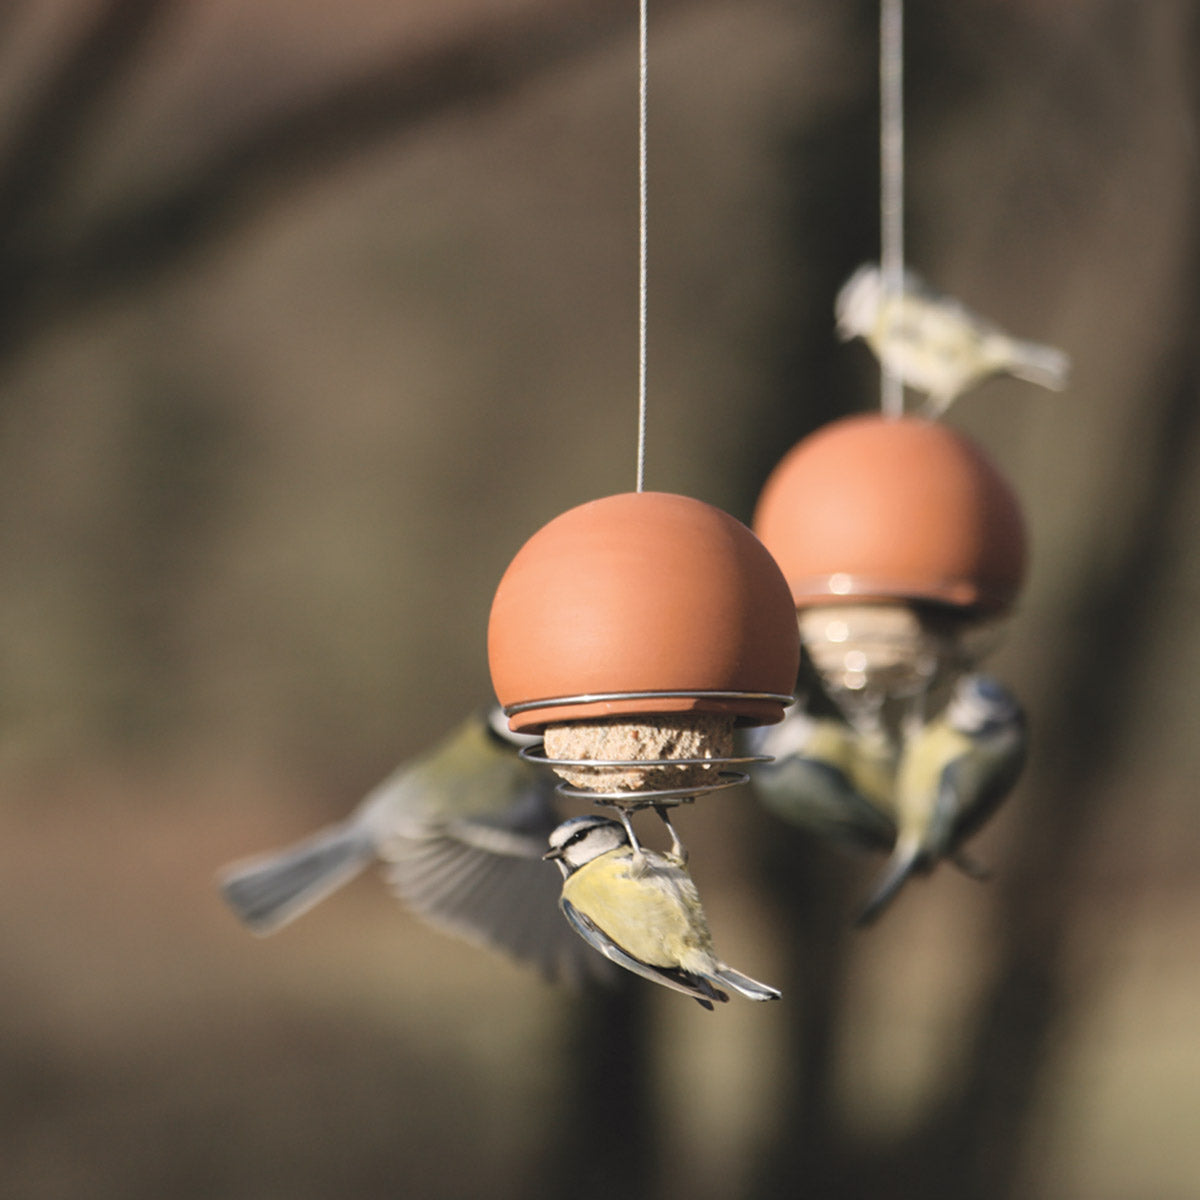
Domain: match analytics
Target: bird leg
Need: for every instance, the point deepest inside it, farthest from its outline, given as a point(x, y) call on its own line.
point(639, 855)
point(678, 849)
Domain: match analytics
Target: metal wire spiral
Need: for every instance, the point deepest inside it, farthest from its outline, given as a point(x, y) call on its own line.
point(632, 799)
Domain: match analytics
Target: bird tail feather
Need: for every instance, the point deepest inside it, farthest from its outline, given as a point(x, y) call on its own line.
point(745, 986)
point(901, 865)
point(1046, 366)
point(269, 891)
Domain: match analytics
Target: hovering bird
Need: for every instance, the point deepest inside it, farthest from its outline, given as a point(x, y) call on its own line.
point(953, 773)
point(933, 343)
point(461, 831)
point(827, 778)
point(641, 910)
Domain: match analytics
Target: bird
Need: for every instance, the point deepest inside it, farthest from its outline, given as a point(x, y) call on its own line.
point(827, 778)
point(935, 344)
point(461, 831)
point(641, 910)
point(953, 773)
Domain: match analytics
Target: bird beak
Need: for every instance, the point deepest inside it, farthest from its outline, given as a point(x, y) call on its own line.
point(551, 854)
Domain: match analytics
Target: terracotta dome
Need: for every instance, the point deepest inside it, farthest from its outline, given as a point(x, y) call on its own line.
point(642, 592)
point(879, 508)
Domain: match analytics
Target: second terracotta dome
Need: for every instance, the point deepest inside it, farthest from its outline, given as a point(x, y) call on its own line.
point(878, 508)
point(644, 592)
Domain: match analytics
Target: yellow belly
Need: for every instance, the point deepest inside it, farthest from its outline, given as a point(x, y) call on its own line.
point(655, 917)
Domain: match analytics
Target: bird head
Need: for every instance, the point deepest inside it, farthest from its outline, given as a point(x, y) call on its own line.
point(857, 304)
point(979, 703)
point(580, 839)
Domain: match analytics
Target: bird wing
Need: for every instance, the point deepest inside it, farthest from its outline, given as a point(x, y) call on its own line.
point(472, 773)
point(982, 781)
point(485, 881)
point(461, 832)
point(822, 780)
point(672, 977)
point(817, 796)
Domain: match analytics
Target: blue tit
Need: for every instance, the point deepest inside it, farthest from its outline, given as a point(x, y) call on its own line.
point(953, 773)
point(934, 344)
point(641, 909)
point(827, 778)
point(461, 831)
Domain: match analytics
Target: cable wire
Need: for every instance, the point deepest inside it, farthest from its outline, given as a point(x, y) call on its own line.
point(891, 175)
point(643, 78)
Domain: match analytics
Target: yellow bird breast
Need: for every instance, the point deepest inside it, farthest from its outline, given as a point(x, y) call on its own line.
point(655, 916)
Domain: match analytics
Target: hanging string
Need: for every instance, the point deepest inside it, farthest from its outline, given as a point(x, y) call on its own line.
point(643, 60)
point(891, 175)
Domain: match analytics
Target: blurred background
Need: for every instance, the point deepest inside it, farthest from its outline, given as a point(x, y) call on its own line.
point(310, 315)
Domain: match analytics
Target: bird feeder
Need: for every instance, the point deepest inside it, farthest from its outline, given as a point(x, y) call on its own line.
point(901, 543)
point(634, 632)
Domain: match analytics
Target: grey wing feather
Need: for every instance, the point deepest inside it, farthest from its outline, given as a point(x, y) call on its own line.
point(698, 988)
point(490, 886)
point(990, 782)
point(947, 809)
point(268, 891)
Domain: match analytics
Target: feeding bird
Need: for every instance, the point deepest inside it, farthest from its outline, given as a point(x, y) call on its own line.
point(641, 910)
point(827, 777)
point(935, 344)
point(953, 773)
point(461, 830)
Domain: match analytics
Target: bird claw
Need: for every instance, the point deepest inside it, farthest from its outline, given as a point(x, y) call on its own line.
point(638, 864)
point(678, 849)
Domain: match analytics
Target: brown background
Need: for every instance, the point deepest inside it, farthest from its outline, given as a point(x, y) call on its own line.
point(309, 315)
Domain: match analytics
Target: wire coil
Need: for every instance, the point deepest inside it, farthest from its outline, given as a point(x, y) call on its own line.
point(511, 710)
point(634, 798)
point(647, 797)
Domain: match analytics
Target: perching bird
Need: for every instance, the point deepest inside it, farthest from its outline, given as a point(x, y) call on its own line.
point(641, 909)
point(953, 773)
point(933, 343)
point(461, 830)
point(826, 778)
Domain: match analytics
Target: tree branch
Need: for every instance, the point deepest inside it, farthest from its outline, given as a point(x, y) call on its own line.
point(38, 163)
point(248, 176)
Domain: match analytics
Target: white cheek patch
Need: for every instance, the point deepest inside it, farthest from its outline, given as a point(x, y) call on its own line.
point(598, 841)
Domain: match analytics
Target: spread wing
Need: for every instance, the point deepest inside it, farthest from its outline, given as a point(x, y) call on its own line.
point(484, 880)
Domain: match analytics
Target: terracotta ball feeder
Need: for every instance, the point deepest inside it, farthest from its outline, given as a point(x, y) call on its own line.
point(898, 537)
point(634, 633)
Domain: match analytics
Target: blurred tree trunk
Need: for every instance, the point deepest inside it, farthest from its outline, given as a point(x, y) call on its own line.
point(604, 1140)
